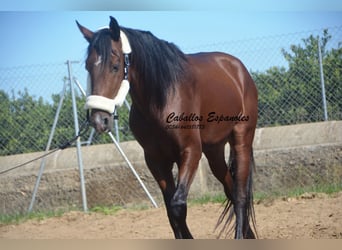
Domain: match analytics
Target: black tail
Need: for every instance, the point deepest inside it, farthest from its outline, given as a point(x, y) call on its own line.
point(250, 201)
point(228, 211)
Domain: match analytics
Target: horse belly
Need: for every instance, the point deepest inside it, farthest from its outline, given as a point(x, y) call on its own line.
point(221, 114)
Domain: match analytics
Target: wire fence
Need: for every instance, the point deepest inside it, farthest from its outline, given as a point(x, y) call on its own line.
point(298, 76)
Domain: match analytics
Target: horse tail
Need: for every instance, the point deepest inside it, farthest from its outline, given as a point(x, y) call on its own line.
point(228, 211)
point(250, 201)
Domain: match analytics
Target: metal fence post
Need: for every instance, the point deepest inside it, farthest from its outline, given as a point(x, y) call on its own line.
point(78, 141)
point(42, 164)
point(320, 60)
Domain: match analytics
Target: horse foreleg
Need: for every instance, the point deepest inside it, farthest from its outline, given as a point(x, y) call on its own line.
point(187, 165)
point(174, 200)
point(177, 212)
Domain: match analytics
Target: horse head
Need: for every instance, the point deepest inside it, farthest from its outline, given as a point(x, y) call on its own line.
point(107, 64)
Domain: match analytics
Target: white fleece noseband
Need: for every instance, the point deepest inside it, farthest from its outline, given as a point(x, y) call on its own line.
point(104, 103)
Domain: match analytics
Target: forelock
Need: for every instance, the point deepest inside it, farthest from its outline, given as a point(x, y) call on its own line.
point(101, 43)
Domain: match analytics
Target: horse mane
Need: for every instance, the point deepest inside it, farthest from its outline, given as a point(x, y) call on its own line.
point(160, 65)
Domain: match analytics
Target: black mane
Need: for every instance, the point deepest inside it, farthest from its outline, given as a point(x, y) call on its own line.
point(159, 64)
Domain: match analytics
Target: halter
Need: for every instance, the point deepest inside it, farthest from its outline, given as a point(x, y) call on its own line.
point(107, 104)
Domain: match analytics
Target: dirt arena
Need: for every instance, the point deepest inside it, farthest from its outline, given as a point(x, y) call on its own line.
point(311, 216)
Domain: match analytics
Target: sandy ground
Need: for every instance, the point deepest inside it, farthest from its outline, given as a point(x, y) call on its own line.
point(311, 216)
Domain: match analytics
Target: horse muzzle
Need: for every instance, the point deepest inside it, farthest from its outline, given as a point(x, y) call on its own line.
point(102, 121)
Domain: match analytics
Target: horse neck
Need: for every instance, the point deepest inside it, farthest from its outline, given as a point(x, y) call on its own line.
point(138, 95)
point(140, 101)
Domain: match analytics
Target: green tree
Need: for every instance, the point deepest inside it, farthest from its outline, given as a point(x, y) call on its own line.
point(303, 89)
point(24, 123)
point(270, 84)
point(332, 66)
point(293, 95)
point(6, 124)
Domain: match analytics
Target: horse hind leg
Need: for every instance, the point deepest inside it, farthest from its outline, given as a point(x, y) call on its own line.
point(220, 170)
point(227, 176)
point(242, 166)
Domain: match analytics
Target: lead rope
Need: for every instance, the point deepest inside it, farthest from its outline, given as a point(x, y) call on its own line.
point(84, 128)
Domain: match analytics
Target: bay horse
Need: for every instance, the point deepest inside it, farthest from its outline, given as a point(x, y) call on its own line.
point(182, 105)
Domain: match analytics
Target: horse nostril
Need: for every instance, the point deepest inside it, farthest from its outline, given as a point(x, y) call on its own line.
point(101, 121)
point(105, 121)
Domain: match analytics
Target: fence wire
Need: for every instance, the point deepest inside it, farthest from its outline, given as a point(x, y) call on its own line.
point(295, 85)
point(287, 70)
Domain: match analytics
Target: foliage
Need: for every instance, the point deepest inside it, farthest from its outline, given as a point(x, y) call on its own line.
point(293, 95)
point(20, 218)
point(26, 118)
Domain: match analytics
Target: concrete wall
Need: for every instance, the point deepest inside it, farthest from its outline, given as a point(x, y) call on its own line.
point(286, 157)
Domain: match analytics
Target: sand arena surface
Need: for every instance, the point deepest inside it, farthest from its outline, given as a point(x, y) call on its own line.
point(311, 216)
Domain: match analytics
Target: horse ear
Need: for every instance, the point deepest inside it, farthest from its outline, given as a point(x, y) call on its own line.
point(114, 29)
point(88, 35)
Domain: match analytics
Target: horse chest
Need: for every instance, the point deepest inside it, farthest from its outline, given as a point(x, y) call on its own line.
point(151, 134)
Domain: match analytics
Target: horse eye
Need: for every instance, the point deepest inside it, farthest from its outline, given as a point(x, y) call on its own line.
point(116, 68)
